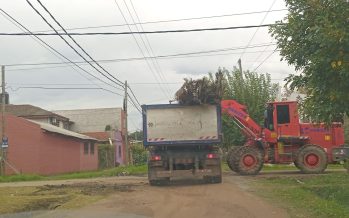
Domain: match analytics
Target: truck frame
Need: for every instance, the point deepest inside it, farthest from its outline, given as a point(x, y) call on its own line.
point(182, 142)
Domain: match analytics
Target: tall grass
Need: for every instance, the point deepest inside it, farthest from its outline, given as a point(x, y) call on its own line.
point(117, 171)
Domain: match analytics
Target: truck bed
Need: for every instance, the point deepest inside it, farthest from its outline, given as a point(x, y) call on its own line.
point(173, 124)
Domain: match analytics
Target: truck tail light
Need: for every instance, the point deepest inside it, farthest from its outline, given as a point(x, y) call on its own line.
point(156, 157)
point(211, 156)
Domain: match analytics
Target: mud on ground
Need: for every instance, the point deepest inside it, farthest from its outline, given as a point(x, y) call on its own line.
point(62, 196)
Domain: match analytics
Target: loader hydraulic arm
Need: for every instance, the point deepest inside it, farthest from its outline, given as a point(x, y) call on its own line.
point(242, 119)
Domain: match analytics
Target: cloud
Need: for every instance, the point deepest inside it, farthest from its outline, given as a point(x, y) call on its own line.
point(80, 13)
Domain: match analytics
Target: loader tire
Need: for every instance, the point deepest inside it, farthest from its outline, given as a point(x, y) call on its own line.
point(311, 159)
point(248, 160)
point(231, 156)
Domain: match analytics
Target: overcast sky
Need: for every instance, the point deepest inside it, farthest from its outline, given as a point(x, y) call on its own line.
point(144, 82)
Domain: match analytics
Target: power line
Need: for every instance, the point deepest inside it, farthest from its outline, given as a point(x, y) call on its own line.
point(264, 60)
point(159, 56)
point(139, 47)
point(134, 105)
point(150, 83)
point(261, 24)
point(78, 43)
point(143, 32)
point(62, 88)
point(128, 86)
point(260, 55)
point(51, 49)
point(138, 59)
point(85, 84)
point(152, 53)
point(51, 84)
point(67, 41)
point(177, 57)
point(168, 21)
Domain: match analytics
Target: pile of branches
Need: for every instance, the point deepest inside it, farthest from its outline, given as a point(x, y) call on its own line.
point(202, 91)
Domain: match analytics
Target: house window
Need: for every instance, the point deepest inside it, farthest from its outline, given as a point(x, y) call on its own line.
point(54, 121)
point(92, 148)
point(85, 147)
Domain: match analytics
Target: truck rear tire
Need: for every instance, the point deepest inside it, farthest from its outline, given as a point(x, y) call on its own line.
point(311, 159)
point(248, 160)
point(231, 158)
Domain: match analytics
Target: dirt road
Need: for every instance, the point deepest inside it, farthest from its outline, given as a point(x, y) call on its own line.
point(232, 198)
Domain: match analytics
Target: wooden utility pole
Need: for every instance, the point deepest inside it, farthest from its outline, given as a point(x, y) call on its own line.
point(127, 148)
point(3, 91)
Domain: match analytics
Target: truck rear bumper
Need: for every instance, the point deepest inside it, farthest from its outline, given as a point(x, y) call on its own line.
point(186, 173)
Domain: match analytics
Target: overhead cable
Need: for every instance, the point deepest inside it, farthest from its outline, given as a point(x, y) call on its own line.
point(169, 21)
point(49, 24)
point(76, 43)
point(151, 52)
point(159, 56)
point(264, 60)
point(63, 88)
point(140, 49)
point(134, 96)
point(53, 50)
point(260, 25)
point(142, 32)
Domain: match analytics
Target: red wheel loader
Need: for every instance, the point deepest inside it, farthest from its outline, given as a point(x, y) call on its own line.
point(283, 140)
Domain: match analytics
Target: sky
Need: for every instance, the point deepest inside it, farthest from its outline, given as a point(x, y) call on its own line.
point(153, 81)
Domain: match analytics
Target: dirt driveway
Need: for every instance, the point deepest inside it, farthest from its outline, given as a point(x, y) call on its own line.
point(232, 198)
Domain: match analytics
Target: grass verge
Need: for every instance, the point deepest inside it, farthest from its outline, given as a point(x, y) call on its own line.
point(271, 167)
point(124, 170)
point(309, 196)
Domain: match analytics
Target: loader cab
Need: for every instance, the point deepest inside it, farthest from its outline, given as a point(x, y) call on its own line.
point(286, 118)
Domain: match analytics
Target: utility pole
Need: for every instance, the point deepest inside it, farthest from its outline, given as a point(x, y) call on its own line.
point(3, 152)
point(240, 67)
point(127, 148)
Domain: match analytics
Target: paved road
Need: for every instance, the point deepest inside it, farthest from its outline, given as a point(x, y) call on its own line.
point(230, 199)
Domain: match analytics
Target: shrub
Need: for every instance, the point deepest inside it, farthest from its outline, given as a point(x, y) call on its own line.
point(106, 156)
point(139, 154)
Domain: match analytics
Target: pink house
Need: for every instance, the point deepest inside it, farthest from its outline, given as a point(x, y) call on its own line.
point(41, 148)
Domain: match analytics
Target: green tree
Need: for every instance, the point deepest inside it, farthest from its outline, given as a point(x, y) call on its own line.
point(137, 135)
point(253, 90)
point(314, 37)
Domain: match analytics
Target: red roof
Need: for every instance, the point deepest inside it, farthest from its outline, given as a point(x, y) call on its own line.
point(102, 136)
